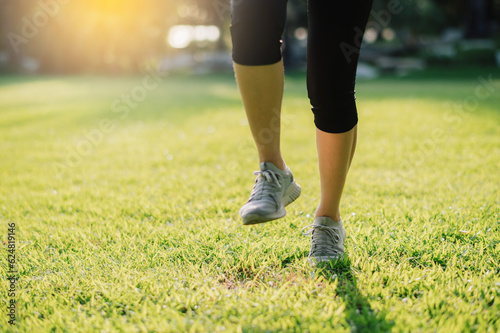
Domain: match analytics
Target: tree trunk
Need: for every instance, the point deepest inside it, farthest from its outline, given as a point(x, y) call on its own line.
point(478, 19)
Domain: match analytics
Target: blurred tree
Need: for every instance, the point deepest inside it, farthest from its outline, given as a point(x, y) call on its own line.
point(479, 16)
point(430, 17)
point(215, 12)
point(408, 18)
point(296, 18)
point(82, 36)
point(114, 35)
point(11, 13)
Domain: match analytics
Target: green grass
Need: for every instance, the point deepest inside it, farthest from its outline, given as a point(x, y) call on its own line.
point(140, 231)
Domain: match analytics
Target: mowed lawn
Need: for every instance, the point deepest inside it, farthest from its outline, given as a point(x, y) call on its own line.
point(126, 209)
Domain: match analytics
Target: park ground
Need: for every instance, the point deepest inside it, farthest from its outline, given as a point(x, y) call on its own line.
point(124, 210)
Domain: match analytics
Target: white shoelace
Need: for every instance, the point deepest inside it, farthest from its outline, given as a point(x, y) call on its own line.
point(322, 242)
point(261, 187)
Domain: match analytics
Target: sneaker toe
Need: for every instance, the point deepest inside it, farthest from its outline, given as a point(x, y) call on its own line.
point(257, 209)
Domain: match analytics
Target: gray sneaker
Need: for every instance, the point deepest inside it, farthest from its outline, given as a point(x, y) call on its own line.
point(273, 190)
point(327, 239)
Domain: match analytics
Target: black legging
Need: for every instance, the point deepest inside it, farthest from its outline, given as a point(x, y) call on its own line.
point(334, 38)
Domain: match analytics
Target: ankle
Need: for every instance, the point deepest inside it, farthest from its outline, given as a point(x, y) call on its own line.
point(333, 215)
point(278, 162)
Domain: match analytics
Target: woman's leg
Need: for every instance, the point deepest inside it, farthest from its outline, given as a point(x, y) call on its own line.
point(261, 89)
point(256, 29)
point(335, 32)
point(331, 79)
point(335, 152)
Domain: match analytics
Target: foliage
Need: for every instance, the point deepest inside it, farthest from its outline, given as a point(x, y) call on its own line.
point(110, 36)
point(86, 36)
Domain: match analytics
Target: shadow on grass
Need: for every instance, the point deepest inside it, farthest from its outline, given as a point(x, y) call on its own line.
point(358, 312)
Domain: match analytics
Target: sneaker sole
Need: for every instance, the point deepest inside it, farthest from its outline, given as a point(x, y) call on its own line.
point(292, 194)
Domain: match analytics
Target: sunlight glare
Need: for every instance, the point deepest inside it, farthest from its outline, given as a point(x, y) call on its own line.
point(180, 36)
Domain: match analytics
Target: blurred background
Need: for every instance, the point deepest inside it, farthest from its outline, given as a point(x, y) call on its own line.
point(192, 36)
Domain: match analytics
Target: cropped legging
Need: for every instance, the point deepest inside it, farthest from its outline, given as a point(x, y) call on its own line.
point(335, 32)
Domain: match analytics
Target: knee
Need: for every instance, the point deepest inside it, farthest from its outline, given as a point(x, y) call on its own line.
point(334, 108)
point(256, 30)
point(337, 120)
